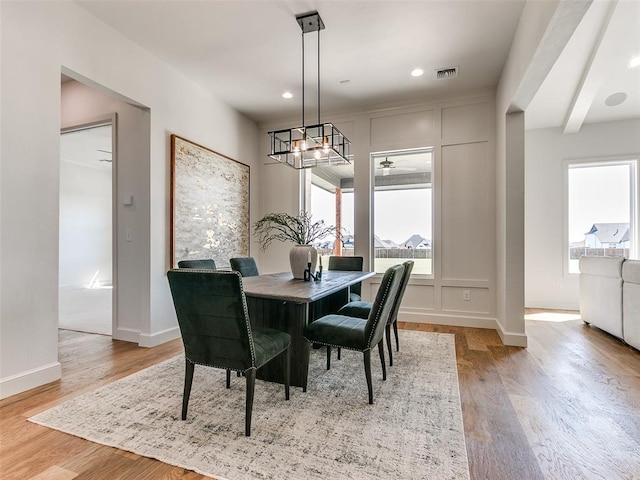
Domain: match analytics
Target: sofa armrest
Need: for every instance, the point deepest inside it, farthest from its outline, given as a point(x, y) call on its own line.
point(601, 293)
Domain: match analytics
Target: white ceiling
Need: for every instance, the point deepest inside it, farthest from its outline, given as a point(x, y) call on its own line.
point(249, 52)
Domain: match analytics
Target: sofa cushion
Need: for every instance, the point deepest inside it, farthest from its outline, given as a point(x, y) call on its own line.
point(631, 302)
point(601, 293)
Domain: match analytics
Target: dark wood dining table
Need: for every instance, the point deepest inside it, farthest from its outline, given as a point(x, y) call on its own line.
point(280, 301)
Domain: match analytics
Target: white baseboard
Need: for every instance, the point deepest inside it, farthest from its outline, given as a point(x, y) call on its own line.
point(24, 381)
point(511, 339)
point(553, 305)
point(155, 339)
point(126, 334)
point(508, 338)
point(443, 319)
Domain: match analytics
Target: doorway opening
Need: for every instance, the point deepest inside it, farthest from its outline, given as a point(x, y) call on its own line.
point(86, 253)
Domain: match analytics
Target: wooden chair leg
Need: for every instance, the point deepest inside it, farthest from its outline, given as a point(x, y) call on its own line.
point(228, 378)
point(188, 380)
point(381, 352)
point(395, 331)
point(287, 372)
point(328, 357)
point(367, 373)
point(387, 333)
point(251, 385)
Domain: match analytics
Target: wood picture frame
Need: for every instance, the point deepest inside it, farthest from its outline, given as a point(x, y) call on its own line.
point(209, 204)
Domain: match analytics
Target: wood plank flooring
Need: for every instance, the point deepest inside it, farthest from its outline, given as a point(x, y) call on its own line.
point(566, 407)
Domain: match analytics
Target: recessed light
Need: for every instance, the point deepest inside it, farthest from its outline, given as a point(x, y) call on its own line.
point(634, 62)
point(416, 72)
point(287, 95)
point(615, 99)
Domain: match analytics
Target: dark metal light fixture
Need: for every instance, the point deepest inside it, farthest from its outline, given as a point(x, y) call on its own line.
point(309, 146)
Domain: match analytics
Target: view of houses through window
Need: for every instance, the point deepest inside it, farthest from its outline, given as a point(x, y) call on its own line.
point(402, 218)
point(403, 214)
point(601, 199)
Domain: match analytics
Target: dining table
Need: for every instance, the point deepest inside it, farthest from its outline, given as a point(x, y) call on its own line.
point(280, 301)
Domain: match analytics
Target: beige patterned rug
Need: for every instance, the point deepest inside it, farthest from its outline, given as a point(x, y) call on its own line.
point(413, 431)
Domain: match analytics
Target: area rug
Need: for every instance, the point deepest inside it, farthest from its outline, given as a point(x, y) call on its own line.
point(412, 431)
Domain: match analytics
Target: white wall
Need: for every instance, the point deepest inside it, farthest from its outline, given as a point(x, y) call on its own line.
point(39, 40)
point(543, 31)
point(546, 281)
point(462, 134)
point(85, 225)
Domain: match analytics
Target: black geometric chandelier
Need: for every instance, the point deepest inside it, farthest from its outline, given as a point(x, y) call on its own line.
point(321, 144)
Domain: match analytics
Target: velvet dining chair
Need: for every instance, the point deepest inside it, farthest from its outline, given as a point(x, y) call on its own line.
point(212, 314)
point(354, 333)
point(203, 264)
point(361, 310)
point(349, 264)
point(245, 265)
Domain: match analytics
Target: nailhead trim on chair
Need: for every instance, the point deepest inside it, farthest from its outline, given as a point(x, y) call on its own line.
point(384, 297)
point(217, 366)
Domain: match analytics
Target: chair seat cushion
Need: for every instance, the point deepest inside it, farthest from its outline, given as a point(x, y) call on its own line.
point(268, 342)
point(338, 330)
point(356, 309)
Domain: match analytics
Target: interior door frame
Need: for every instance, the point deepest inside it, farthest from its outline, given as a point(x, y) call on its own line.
point(111, 119)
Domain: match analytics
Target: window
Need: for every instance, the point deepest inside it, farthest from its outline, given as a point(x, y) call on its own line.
point(329, 197)
point(601, 213)
point(402, 209)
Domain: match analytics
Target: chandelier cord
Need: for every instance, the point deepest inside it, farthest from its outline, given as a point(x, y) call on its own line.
point(318, 76)
point(303, 78)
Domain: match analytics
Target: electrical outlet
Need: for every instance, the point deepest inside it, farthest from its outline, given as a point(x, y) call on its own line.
point(466, 295)
point(128, 235)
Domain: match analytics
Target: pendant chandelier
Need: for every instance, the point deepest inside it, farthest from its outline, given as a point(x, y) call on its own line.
point(321, 144)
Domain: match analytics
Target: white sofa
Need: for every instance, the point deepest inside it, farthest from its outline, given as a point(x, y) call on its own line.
point(610, 296)
point(631, 302)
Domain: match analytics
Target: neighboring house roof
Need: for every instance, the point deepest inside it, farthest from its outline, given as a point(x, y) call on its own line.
point(379, 243)
point(610, 232)
point(417, 241)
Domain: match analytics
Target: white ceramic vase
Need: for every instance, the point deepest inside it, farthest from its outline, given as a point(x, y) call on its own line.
point(299, 257)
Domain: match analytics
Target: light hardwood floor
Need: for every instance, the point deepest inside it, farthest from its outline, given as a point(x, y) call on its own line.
point(566, 407)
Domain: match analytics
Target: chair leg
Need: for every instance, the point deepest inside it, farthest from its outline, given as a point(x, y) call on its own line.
point(367, 373)
point(251, 385)
point(188, 379)
point(228, 378)
point(328, 357)
point(381, 352)
point(339, 350)
point(387, 333)
point(395, 330)
point(287, 372)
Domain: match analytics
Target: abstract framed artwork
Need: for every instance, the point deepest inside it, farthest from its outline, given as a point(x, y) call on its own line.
point(209, 204)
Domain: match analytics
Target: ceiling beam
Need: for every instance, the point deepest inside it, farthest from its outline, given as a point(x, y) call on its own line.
point(616, 22)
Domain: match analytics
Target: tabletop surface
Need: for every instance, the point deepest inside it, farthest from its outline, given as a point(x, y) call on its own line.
point(282, 286)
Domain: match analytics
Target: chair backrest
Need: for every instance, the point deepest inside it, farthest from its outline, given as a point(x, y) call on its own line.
point(349, 264)
point(213, 319)
point(383, 304)
point(408, 267)
point(245, 265)
point(204, 264)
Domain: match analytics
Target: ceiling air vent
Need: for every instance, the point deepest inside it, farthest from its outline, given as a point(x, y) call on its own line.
point(450, 72)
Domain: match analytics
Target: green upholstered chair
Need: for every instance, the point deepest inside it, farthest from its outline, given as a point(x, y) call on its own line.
point(349, 264)
point(204, 264)
point(245, 265)
point(214, 323)
point(356, 334)
point(362, 309)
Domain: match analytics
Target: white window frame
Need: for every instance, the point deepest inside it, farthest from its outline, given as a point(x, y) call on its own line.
point(633, 208)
